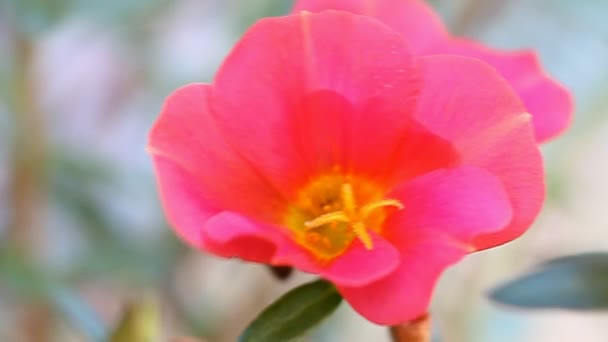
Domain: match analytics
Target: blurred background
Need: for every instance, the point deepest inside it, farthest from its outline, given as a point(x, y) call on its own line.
point(83, 241)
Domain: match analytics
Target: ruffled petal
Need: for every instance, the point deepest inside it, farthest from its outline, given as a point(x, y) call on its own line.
point(186, 134)
point(443, 212)
point(413, 18)
point(550, 104)
point(359, 266)
point(467, 103)
point(293, 79)
point(234, 235)
point(457, 204)
point(525, 184)
point(405, 294)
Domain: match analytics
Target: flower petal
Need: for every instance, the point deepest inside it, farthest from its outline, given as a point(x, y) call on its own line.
point(234, 235)
point(319, 130)
point(467, 103)
point(190, 213)
point(405, 294)
point(457, 204)
point(418, 152)
point(550, 104)
point(356, 267)
point(521, 171)
point(413, 18)
point(186, 209)
point(186, 134)
point(359, 266)
point(380, 143)
point(297, 62)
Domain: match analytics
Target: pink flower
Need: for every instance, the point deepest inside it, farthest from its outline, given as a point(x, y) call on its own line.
point(325, 144)
point(549, 103)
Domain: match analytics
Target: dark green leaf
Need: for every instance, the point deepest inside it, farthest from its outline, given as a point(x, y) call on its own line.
point(574, 282)
point(590, 258)
point(294, 314)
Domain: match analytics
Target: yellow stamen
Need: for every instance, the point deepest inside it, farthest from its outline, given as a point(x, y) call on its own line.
point(351, 215)
point(336, 216)
point(335, 208)
point(367, 209)
point(362, 234)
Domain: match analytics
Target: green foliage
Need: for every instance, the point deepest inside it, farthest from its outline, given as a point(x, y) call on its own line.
point(294, 314)
point(24, 279)
point(75, 185)
point(578, 282)
point(35, 16)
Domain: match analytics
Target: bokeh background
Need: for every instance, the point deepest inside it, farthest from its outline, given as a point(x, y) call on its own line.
point(82, 236)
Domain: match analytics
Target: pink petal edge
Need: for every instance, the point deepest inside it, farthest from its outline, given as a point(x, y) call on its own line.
point(405, 294)
point(549, 102)
point(466, 102)
point(356, 267)
point(186, 134)
point(459, 204)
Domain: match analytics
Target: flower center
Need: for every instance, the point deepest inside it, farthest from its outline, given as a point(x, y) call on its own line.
point(332, 210)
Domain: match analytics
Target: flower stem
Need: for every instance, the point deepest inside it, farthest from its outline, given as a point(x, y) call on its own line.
point(418, 330)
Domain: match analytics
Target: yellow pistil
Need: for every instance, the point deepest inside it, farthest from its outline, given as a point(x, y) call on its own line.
point(354, 216)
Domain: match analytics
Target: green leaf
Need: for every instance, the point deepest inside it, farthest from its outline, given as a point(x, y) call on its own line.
point(578, 282)
point(294, 313)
